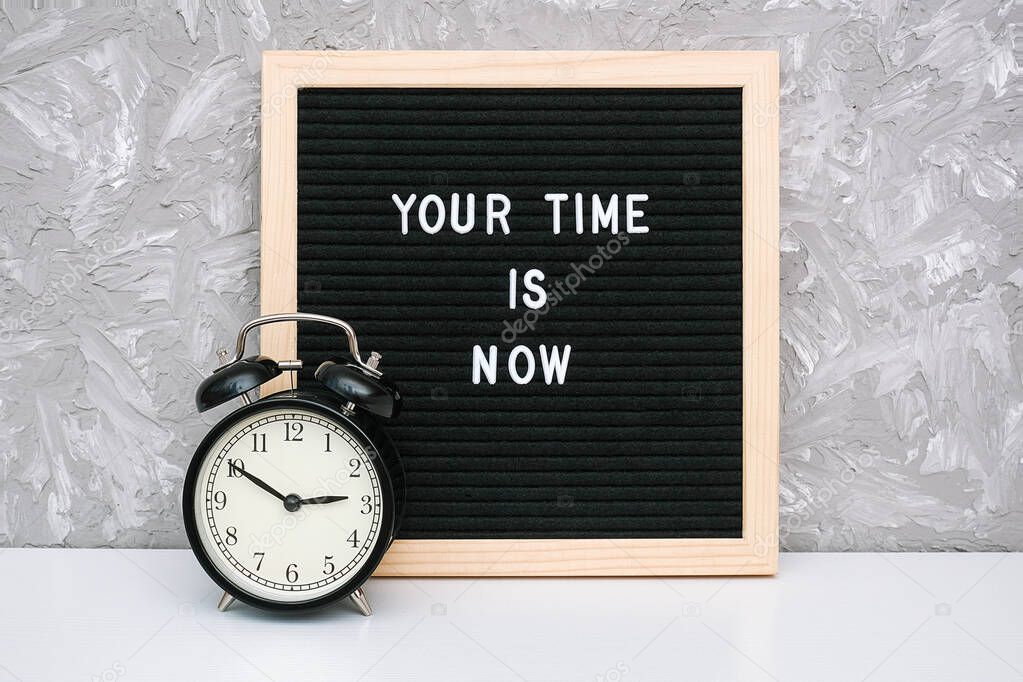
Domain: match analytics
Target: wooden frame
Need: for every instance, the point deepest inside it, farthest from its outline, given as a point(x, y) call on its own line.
point(756, 553)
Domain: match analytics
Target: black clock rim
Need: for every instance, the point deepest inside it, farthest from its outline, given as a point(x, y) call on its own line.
point(346, 589)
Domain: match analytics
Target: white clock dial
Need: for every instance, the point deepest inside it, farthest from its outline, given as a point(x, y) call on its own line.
point(308, 544)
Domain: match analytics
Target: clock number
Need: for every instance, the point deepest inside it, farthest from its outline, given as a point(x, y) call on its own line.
point(259, 442)
point(293, 431)
point(231, 536)
point(328, 441)
point(328, 565)
point(292, 573)
point(261, 555)
point(367, 505)
point(235, 467)
point(354, 538)
point(219, 500)
point(355, 464)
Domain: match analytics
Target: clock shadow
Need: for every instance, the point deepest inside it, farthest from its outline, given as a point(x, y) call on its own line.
point(342, 609)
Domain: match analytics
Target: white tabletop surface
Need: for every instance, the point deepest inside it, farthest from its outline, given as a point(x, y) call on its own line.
point(151, 614)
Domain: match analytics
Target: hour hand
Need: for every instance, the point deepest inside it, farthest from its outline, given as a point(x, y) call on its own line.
point(261, 483)
point(324, 499)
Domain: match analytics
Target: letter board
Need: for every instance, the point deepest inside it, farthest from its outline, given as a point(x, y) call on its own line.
point(557, 272)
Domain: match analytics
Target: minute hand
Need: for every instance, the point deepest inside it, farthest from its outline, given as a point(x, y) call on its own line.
point(324, 499)
point(261, 483)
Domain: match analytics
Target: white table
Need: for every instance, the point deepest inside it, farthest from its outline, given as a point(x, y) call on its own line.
point(151, 614)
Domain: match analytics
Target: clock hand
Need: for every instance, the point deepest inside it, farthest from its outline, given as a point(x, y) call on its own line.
point(324, 499)
point(262, 484)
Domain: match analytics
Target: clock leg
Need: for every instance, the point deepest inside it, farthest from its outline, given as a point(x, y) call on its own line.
point(225, 602)
point(359, 599)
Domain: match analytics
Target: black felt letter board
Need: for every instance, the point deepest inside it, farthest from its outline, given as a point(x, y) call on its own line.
point(643, 438)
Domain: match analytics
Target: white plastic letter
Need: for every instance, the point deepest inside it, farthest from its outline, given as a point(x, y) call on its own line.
point(554, 364)
point(424, 205)
point(556, 199)
point(470, 209)
point(632, 213)
point(404, 208)
point(602, 218)
point(500, 215)
point(513, 369)
point(531, 281)
point(485, 364)
point(578, 213)
point(513, 276)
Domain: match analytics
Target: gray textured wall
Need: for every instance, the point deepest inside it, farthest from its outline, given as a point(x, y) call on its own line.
point(128, 189)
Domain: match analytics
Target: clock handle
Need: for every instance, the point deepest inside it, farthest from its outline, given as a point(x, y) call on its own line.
point(353, 343)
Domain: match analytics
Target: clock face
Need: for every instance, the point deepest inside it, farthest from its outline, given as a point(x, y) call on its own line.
point(289, 505)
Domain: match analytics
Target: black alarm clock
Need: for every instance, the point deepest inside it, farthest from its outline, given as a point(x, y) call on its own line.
point(291, 500)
